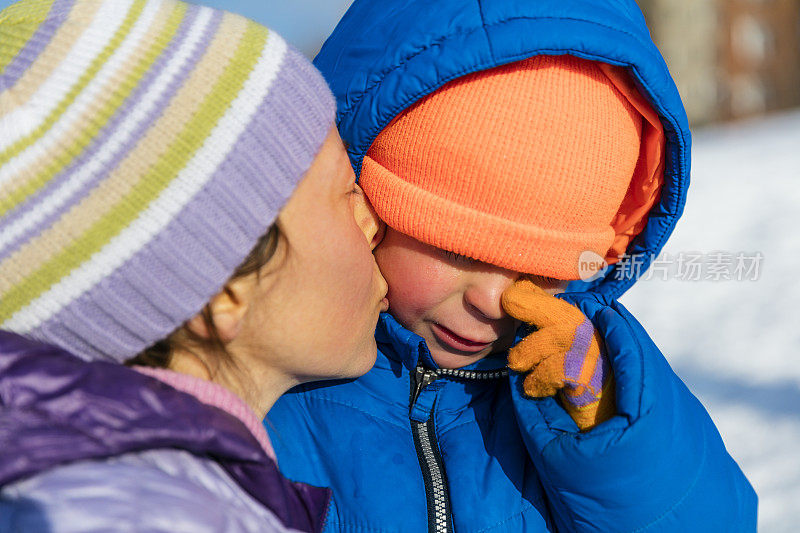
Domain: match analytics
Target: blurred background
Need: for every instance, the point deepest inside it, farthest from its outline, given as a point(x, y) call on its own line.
point(731, 59)
point(735, 342)
point(304, 23)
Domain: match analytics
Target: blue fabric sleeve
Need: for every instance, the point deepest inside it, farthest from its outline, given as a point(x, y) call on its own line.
point(659, 465)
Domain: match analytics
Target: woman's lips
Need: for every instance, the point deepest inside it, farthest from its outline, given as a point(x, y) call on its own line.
point(451, 339)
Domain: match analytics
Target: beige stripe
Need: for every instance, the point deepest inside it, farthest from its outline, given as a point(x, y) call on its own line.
point(50, 58)
point(38, 251)
point(62, 144)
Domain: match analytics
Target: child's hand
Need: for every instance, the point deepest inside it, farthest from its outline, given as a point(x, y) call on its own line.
point(565, 355)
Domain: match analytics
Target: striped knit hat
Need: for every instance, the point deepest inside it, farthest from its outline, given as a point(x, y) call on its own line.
point(145, 147)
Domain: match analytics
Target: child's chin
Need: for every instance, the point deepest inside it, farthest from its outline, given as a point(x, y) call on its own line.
point(451, 360)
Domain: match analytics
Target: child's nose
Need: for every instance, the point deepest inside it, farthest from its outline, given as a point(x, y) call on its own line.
point(485, 289)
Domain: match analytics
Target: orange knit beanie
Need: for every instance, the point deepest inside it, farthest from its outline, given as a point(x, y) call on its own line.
point(525, 166)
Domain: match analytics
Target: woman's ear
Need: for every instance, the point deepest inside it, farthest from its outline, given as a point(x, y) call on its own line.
point(227, 309)
point(379, 235)
point(373, 227)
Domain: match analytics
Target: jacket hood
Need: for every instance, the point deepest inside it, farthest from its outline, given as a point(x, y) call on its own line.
point(384, 56)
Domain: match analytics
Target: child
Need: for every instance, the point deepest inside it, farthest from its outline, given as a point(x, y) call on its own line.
point(502, 143)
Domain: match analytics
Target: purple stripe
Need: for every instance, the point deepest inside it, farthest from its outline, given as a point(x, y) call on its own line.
point(573, 361)
point(125, 110)
point(583, 399)
point(58, 13)
point(600, 372)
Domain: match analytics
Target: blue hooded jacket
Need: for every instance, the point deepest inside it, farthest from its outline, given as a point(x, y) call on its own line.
point(409, 450)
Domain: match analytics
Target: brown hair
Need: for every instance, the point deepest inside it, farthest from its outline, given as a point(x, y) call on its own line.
point(159, 355)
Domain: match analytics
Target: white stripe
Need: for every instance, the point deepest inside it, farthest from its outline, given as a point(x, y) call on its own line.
point(114, 143)
point(68, 73)
point(91, 42)
point(191, 179)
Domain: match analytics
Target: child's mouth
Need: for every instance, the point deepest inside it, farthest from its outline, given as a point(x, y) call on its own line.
point(457, 342)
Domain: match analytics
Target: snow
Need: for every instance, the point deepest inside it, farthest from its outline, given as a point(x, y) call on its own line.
point(735, 342)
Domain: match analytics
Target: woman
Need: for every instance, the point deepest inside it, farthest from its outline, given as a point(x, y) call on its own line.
point(166, 172)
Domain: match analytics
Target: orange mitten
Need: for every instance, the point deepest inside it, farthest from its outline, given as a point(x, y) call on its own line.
point(565, 355)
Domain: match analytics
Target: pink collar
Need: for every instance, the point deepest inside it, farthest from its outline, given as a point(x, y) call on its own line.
point(215, 395)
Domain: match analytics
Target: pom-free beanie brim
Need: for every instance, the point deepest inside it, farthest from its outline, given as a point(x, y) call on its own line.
point(459, 229)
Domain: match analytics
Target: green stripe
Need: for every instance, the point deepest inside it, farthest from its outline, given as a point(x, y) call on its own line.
point(81, 139)
point(177, 155)
point(18, 23)
point(15, 149)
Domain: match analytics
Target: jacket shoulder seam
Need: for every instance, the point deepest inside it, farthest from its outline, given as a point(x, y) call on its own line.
point(354, 408)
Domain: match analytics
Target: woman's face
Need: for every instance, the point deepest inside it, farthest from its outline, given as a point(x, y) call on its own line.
point(316, 304)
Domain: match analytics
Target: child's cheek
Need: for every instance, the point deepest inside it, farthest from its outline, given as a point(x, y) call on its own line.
point(417, 287)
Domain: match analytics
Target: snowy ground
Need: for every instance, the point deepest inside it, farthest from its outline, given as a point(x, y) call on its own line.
point(736, 343)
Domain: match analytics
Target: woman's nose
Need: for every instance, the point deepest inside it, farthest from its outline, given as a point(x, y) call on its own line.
point(366, 218)
point(485, 289)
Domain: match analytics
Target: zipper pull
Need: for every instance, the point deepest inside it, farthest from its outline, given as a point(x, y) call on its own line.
point(422, 378)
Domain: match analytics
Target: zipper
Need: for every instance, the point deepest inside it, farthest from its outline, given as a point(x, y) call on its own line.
point(427, 445)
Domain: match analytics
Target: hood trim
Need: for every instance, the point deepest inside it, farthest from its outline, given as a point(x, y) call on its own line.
point(365, 108)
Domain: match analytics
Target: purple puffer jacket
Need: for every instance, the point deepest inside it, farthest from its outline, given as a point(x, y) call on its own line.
point(96, 446)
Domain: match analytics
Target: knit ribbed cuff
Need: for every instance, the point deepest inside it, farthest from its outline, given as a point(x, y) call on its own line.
point(439, 222)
